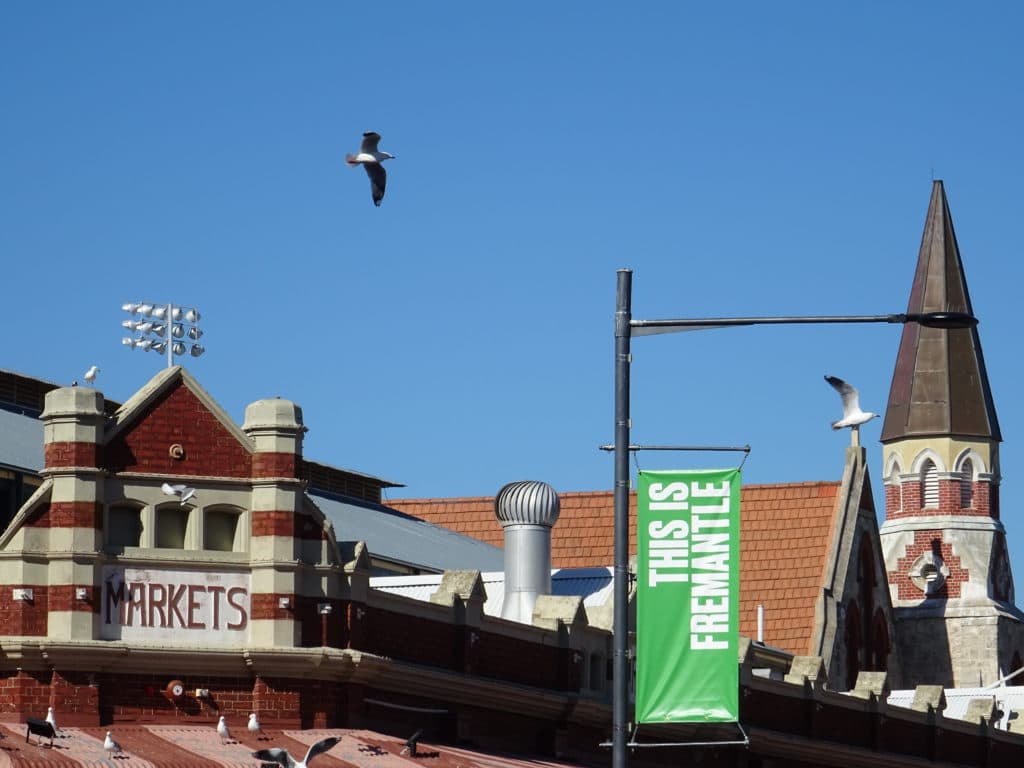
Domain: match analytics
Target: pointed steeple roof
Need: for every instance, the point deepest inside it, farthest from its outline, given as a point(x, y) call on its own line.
point(939, 386)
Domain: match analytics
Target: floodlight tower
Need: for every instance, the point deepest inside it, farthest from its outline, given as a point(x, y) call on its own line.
point(163, 328)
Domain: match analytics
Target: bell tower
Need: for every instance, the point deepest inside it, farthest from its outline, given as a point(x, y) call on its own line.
point(944, 545)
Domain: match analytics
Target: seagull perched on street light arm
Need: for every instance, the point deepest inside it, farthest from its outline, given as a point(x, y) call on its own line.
point(372, 161)
point(281, 756)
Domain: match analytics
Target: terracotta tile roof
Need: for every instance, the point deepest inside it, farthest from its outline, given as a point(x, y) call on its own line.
point(786, 532)
point(197, 746)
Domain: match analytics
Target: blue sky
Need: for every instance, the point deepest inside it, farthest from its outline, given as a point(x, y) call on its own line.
point(742, 159)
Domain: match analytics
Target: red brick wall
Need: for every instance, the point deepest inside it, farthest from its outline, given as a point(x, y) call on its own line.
point(519, 661)
point(286, 523)
point(410, 638)
point(68, 514)
point(949, 500)
point(275, 465)
point(24, 693)
point(19, 618)
point(69, 455)
point(178, 417)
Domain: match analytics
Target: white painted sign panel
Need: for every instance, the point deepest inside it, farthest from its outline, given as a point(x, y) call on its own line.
point(174, 606)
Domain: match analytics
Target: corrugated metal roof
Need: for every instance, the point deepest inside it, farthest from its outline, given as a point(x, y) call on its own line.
point(1008, 699)
point(22, 444)
point(594, 585)
point(401, 538)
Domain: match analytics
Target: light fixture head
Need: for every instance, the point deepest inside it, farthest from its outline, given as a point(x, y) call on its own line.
point(132, 308)
point(159, 346)
point(129, 324)
point(143, 344)
point(159, 312)
point(145, 309)
point(128, 341)
point(176, 313)
point(195, 333)
point(192, 315)
point(144, 327)
point(158, 329)
point(178, 348)
point(177, 330)
point(197, 350)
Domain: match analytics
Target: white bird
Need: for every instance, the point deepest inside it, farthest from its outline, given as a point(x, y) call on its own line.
point(111, 747)
point(853, 416)
point(183, 492)
point(223, 731)
point(281, 756)
point(254, 726)
point(373, 163)
point(90, 375)
point(50, 719)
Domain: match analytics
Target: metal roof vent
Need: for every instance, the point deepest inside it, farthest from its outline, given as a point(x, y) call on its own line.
point(526, 510)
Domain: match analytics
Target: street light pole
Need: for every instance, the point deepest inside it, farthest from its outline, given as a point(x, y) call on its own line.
point(620, 584)
point(625, 328)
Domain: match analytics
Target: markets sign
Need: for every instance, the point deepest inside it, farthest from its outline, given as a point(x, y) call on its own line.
point(688, 596)
point(174, 606)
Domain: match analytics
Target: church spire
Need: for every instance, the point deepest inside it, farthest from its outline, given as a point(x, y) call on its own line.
point(939, 386)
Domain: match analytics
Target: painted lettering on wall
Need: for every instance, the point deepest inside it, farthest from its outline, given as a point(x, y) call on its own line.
point(173, 605)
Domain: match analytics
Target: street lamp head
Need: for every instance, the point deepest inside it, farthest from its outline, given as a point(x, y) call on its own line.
point(945, 320)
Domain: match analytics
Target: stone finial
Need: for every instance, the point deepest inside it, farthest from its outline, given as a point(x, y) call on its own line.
point(982, 710)
point(807, 670)
point(929, 698)
point(464, 585)
point(871, 684)
point(272, 413)
point(550, 611)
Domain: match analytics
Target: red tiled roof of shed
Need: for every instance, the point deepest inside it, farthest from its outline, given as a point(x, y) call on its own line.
point(786, 529)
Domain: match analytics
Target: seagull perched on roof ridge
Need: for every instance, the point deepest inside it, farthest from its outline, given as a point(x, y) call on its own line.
point(372, 161)
point(111, 746)
point(183, 492)
point(853, 416)
point(281, 756)
point(223, 731)
point(51, 719)
point(90, 375)
point(254, 726)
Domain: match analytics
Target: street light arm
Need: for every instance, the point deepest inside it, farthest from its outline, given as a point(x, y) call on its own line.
point(947, 320)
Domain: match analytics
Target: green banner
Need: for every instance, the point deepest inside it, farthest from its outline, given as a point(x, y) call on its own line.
point(687, 604)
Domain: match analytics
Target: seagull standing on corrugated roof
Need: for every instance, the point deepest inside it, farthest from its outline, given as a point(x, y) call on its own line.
point(372, 161)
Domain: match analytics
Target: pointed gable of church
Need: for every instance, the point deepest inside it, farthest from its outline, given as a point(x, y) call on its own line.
point(940, 385)
point(172, 426)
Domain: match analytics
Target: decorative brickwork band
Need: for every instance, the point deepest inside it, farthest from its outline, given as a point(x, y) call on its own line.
point(286, 523)
point(928, 569)
point(23, 609)
point(56, 455)
point(68, 514)
point(904, 500)
point(275, 465)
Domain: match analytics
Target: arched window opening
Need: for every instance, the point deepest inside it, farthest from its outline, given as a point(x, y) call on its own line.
point(124, 526)
point(879, 643)
point(221, 531)
point(929, 485)
point(967, 484)
point(171, 527)
point(853, 644)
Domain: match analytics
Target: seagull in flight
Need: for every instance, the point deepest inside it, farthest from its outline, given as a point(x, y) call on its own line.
point(853, 416)
point(281, 756)
point(183, 492)
point(372, 161)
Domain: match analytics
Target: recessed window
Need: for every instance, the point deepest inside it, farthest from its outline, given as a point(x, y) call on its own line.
point(171, 525)
point(967, 484)
point(220, 532)
point(124, 526)
point(929, 485)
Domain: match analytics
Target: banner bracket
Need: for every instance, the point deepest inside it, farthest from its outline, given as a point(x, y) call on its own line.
point(634, 744)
